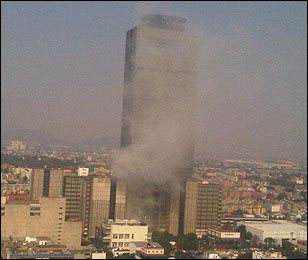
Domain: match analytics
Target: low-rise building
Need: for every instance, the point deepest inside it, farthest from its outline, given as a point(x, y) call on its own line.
point(150, 251)
point(34, 248)
point(278, 230)
point(267, 255)
point(223, 234)
point(119, 233)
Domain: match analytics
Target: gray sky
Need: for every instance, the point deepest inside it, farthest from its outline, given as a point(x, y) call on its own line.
point(63, 65)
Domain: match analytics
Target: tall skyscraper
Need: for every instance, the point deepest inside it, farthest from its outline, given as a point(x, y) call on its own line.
point(158, 114)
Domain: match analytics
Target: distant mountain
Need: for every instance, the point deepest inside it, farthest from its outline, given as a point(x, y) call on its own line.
point(31, 136)
point(108, 142)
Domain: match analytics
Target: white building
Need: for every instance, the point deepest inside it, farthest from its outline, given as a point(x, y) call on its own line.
point(83, 171)
point(118, 234)
point(148, 250)
point(278, 230)
point(274, 208)
point(267, 255)
point(16, 146)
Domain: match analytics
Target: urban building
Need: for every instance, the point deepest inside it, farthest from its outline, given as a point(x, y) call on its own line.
point(117, 199)
point(99, 201)
point(83, 171)
point(77, 190)
point(159, 96)
point(149, 251)
point(34, 248)
point(46, 182)
point(118, 234)
point(45, 217)
point(278, 230)
point(16, 146)
point(267, 255)
point(203, 207)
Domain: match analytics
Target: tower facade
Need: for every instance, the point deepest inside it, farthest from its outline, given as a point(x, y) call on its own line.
point(158, 112)
point(203, 206)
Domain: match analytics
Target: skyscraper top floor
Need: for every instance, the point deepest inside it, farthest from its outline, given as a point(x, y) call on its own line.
point(164, 21)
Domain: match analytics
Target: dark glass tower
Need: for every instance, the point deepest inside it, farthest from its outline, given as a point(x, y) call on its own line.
point(158, 113)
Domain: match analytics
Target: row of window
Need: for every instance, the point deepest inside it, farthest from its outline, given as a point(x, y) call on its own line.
point(120, 244)
point(35, 214)
point(121, 236)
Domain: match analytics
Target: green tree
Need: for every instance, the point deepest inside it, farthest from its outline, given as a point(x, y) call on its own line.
point(248, 236)
point(269, 242)
point(190, 242)
point(242, 230)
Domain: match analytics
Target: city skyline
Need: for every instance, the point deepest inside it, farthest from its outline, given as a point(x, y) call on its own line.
point(70, 79)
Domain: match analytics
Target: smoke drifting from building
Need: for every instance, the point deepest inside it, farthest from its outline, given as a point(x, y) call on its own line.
point(158, 110)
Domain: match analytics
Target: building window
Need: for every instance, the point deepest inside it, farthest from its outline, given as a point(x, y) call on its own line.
point(60, 213)
point(2, 213)
point(114, 244)
point(126, 236)
point(126, 244)
point(35, 208)
point(121, 244)
point(121, 236)
point(34, 214)
point(60, 218)
point(115, 236)
point(132, 236)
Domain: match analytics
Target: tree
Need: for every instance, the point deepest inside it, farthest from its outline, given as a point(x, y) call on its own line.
point(269, 241)
point(190, 242)
point(248, 236)
point(242, 230)
point(282, 196)
point(163, 239)
point(296, 254)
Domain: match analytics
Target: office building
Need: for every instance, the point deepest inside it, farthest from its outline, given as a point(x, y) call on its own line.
point(46, 182)
point(158, 109)
point(77, 192)
point(117, 199)
point(99, 201)
point(37, 183)
point(45, 217)
point(203, 207)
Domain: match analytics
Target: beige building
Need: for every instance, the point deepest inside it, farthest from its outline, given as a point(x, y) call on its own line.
point(44, 217)
point(100, 202)
point(203, 207)
point(37, 183)
point(118, 234)
point(46, 182)
point(55, 183)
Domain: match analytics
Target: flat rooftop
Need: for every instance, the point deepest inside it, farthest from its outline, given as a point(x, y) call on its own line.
point(276, 226)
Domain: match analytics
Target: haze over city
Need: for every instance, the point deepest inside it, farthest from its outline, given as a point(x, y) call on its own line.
point(63, 67)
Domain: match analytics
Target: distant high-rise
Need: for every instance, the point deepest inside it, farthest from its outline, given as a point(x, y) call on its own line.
point(158, 109)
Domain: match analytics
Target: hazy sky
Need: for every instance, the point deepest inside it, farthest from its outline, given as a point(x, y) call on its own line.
point(63, 65)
